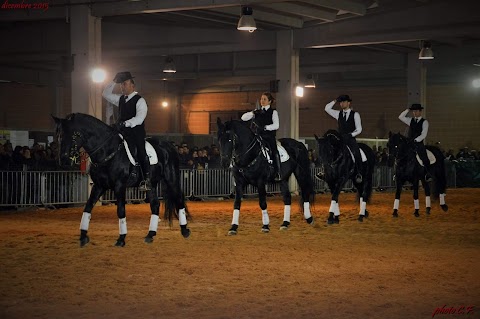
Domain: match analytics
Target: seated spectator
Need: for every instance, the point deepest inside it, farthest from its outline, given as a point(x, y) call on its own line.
point(214, 161)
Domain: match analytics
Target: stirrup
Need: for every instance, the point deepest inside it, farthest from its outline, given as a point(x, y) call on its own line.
point(278, 178)
point(358, 178)
point(320, 175)
point(428, 178)
point(145, 186)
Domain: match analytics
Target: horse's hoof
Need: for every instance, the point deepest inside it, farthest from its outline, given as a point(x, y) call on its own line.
point(83, 241)
point(232, 232)
point(416, 213)
point(330, 219)
point(285, 225)
point(366, 214)
point(310, 220)
point(395, 213)
point(120, 243)
point(148, 240)
point(185, 232)
point(265, 229)
point(360, 218)
point(444, 207)
point(427, 210)
point(336, 220)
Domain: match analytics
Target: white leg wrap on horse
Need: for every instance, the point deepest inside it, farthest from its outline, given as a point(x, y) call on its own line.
point(363, 207)
point(153, 222)
point(396, 203)
point(306, 210)
point(85, 221)
point(332, 206)
point(361, 200)
point(122, 226)
point(236, 216)
point(442, 199)
point(337, 210)
point(416, 203)
point(182, 217)
point(265, 219)
point(428, 203)
point(286, 213)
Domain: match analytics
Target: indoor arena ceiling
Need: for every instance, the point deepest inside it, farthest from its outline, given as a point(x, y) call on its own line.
point(350, 28)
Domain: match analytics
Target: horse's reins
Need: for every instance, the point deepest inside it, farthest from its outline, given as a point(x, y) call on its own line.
point(107, 158)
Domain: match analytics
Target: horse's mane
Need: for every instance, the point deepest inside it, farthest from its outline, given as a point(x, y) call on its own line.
point(333, 133)
point(86, 119)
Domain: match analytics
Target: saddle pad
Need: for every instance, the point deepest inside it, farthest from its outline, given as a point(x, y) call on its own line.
point(283, 153)
point(430, 156)
point(364, 157)
point(152, 155)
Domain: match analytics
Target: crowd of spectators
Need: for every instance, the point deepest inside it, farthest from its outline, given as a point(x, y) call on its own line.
point(37, 157)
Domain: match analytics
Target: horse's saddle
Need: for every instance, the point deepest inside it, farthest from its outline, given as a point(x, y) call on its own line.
point(430, 156)
point(281, 151)
point(152, 155)
point(362, 153)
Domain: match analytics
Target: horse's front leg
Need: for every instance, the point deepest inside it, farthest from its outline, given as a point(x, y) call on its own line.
point(398, 192)
point(287, 202)
point(428, 203)
point(415, 197)
point(120, 194)
point(236, 208)
point(154, 217)
point(262, 201)
point(334, 210)
point(95, 194)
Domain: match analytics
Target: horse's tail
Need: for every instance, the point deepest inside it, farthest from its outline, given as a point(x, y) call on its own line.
point(303, 174)
point(438, 170)
point(174, 197)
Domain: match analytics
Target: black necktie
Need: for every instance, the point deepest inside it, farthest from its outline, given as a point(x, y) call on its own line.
point(345, 116)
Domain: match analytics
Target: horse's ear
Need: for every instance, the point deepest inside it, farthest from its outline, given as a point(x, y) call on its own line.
point(316, 137)
point(219, 123)
point(56, 119)
point(390, 134)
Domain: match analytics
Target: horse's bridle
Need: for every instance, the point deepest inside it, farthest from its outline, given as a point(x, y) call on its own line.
point(235, 157)
point(75, 154)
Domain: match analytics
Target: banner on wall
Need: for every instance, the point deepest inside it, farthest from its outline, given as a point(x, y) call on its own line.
point(19, 138)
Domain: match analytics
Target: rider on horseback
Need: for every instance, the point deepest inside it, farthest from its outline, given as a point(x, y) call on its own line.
point(418, 132)
point(267, 120)
point(349, 125)
point(132, 112)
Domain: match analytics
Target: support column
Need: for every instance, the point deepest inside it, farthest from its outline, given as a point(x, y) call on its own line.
point(288, 74)
point(417, 81)
point(85, 38)
point(287, 103)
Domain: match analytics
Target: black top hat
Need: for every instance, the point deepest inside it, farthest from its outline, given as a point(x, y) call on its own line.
point(122, 77)
point(344, 97)
point(416, 106)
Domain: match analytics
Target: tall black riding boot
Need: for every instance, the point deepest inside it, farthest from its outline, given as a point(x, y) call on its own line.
point(146, 184)
point(358, 164)
point(428, 176)
point(278, 176)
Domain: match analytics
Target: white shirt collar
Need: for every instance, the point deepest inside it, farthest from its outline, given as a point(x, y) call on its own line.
point(130, 95)
point(266, 107)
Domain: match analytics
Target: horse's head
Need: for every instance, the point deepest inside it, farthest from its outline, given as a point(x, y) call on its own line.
point(328, 146)
point(397, 144)
point(225, 140)
point(69, 139)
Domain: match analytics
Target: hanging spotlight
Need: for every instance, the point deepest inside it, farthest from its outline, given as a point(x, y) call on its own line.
point(169, 66)
point(299, 91)
point(247, 22)
point(310, 81)
point(98, 75)
point(164, 103)
point(426, 52)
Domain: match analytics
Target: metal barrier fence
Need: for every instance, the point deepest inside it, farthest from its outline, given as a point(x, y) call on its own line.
point(32, 188)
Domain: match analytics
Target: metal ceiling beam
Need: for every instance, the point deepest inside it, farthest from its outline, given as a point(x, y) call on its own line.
point(309, 12)
point(153, 6)
point(344, 5)
point(443, 19)
point(259, 15)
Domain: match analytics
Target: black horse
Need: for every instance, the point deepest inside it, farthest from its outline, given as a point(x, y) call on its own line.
point(339, 167)
point(408, 169)
point(242, 149)
point(111, 169)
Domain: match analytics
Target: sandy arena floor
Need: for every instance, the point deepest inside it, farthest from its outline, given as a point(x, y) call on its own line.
point(384, 268)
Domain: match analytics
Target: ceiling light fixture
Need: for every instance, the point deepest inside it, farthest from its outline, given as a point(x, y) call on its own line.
point(247, 22)
point(169, 66)
point(426, 52)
